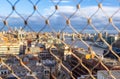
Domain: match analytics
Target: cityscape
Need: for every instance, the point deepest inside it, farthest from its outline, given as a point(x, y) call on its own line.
point(55, 39)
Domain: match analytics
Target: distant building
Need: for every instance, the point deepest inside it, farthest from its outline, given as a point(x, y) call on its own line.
point(21, 34)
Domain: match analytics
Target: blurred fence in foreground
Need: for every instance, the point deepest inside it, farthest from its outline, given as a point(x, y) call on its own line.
point(77, 25)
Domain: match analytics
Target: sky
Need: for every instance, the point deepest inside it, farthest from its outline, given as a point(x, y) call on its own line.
point(58, 19)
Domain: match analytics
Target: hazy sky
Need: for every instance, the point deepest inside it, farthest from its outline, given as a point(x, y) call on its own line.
point(66, 8)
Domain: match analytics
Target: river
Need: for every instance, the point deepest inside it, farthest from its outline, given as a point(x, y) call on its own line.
point(78, 43)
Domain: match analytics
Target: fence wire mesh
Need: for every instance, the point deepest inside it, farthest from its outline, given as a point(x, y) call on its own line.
point(59, 39)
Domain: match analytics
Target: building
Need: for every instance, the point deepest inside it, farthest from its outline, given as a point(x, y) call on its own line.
point(9, 44)
point(8, 48)
point(3, 71)
point(21, 35)
point(103, 74)
point(67, 53)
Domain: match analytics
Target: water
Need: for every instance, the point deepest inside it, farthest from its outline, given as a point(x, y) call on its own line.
point(78, 43)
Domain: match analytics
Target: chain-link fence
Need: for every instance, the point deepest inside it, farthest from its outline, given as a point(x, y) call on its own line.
point(59, 39)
